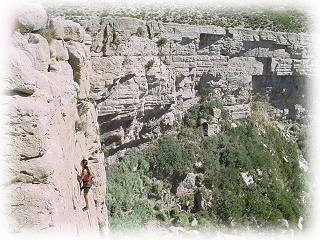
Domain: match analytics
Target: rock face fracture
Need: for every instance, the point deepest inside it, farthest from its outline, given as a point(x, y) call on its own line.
point(87, 84)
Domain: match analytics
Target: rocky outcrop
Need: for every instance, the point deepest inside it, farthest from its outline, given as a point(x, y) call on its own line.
point(143, 86)
point(53, 126)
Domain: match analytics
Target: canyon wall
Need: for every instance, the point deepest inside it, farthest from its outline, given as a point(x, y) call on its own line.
point(148, 73)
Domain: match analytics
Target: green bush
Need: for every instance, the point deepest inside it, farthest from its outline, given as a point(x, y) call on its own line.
point(104, 14)
point(162, 42)
point(48, 34)
point(174, 212)
point(139, 32)
point(168, 155)
point(149, 65)
point(182, 219)
point(80, 126)
point(204, 110)
point(74, 13)
point(124, 188)
point(294, 128)
point(162, 216)
point(157, 187)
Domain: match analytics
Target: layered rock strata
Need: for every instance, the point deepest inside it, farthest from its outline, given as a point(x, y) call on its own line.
point(148, 73)
point(52, 127)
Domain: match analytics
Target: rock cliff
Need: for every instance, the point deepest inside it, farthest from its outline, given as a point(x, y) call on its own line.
point(147, 73)
point(86, 86)
point(53, 126)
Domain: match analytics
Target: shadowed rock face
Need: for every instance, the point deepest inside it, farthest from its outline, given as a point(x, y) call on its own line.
point(101, 81)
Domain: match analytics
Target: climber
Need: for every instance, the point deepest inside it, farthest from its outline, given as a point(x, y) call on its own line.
point(85, 177)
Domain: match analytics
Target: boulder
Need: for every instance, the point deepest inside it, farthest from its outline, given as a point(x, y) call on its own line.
point(284, 223)
point(87, 39)
point(22, 77)
point(216, 113)
point(194, 222)
point(188, 183)
point(67, 30)
point(40, 51)
point(31, 16)
point(212, 128)
point(239, 111)
point(35, 47)
point(58, 50)
point(248, 179)
point(61, 67)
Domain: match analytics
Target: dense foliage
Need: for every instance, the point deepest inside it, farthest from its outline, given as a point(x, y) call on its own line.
point(140, 185)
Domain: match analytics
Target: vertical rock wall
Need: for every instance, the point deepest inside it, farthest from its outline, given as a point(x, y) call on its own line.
point(53, 126)
point(143, 86)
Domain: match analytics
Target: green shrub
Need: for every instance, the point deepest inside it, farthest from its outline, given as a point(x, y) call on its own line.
point(74, 13)
point(204, 110)
point(80, 126)
point(124, 188)
point(162, 42)
point(294, 128)
point(191, 117)
point(139, 32)
point(48, 34)
point(157, 187)
point(168, 155)
point(174, 212)
point(162, 216)
point(83, 109)
point(149, 65)
point(281, 18)
point(104, 14)
point(22, 30)
point(158, 206)
point(182, 219)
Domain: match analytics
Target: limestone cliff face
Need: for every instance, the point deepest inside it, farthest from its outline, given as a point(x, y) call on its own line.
point(53, 126)
point(241, 67)
point(109, 84)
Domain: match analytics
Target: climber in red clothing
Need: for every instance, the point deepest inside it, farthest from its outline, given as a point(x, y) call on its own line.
point(85, 177)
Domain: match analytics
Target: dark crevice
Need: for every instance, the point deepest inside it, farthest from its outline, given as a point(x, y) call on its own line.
point(208, 39)
point(149, 31)
point(26, 158)
point(15, 93)
point(131, 144)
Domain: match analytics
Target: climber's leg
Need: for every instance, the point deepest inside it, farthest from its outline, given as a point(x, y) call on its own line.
point(86, 199)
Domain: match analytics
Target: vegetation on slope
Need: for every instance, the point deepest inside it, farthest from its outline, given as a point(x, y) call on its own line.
point(274, 18)
point(141, 186)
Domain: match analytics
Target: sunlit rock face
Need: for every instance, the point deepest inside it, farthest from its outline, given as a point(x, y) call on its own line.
point(240, 67)
point(52, 127)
